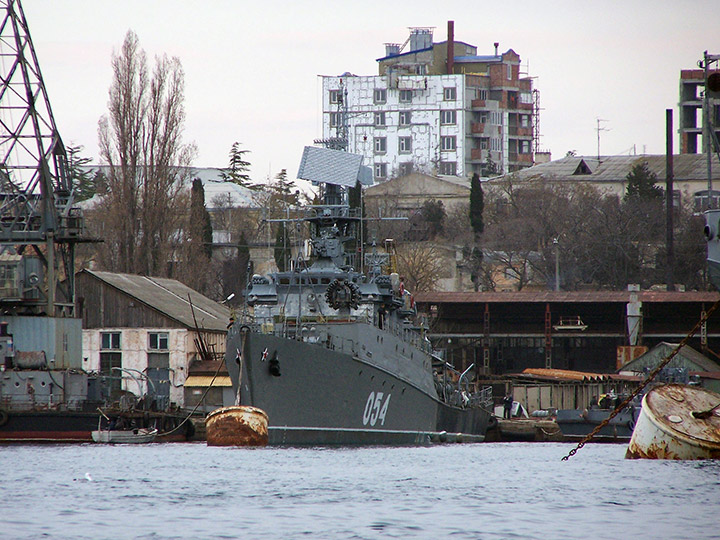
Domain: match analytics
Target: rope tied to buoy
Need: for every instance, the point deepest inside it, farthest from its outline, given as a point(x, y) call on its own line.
point(651, 376)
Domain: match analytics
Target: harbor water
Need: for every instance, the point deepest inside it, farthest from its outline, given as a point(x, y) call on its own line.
point(459, 491)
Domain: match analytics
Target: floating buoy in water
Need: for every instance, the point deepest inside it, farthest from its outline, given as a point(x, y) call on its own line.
point(237, 426)
point(677, 421)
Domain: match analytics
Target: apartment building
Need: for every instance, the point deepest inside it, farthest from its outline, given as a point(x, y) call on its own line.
point(435, 108)
point(692, 102)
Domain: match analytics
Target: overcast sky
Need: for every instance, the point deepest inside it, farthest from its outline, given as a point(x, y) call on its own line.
point(251, 68)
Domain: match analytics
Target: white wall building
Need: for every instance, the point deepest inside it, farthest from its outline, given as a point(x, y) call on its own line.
point(433, 111)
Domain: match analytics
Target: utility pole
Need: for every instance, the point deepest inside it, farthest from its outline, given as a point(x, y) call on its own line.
point(599, 129)
point(669, 201)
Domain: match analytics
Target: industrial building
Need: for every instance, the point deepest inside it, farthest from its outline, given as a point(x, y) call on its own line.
point(435, 108)
point(589, 331)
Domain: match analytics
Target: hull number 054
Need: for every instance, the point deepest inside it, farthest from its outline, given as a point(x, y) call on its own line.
point(376, 408)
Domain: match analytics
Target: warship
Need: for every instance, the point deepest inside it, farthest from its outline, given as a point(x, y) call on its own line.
point(333, 354)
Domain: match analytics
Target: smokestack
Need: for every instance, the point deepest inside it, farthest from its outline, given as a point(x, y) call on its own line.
point(496, 47)
point(451, 47)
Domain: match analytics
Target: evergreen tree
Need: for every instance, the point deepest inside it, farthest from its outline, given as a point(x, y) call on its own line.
point(641, 184)
point(433, 213)
point(238, 167)
point(200, 217)
point(477, 205)
point(81, 177)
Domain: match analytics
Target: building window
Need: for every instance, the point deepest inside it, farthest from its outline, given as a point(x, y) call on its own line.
point(448, 168)
point(405, 118)
point(482, 94)
point(405, 96)
point(380, 171)
point(703, 201)
point(525, 97)
point(380, 95)
point(449, 94)
point(334, 119)
point(335, 96)
point(158, 341)
point(447, 143)
point(406, 168)
point(483, 144)
point(380, 145)
point(405, 145)
point(495, 144)
point(524, 120)
point(110, 341)
point(379, 119)
point(448, 117)
point(524, 147)
point(509, 72)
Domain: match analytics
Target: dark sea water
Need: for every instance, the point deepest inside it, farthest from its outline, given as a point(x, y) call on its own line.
point(483, 491)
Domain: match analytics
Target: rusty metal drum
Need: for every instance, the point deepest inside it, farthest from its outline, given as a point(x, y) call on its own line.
point(237, 426)
point(677, 421)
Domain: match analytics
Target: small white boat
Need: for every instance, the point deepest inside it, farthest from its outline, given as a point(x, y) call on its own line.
point(677, 421)
point(124, 436)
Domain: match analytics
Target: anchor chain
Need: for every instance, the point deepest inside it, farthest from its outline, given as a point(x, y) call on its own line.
point(647, 381)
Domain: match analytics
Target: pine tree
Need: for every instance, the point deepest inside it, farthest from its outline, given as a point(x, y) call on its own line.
point(81, 178)
point(238, 167)
point(641, 184)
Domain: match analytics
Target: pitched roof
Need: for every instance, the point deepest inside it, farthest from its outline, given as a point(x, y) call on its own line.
point(169, 297)
point(655, 355)
point(423, 185)
point(616, 168)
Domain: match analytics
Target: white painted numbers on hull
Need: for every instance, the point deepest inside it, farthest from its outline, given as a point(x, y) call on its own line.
point(376, 409)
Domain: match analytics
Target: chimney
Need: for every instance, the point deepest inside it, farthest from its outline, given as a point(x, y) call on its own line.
point(451, 47)
point(496, 47)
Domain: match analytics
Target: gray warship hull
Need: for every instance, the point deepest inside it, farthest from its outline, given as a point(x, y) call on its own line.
point(342, 391)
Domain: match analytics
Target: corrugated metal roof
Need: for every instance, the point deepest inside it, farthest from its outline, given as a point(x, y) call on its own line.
point(171, 298)
point(563, 297)
point(686, 167)
point(207, 380)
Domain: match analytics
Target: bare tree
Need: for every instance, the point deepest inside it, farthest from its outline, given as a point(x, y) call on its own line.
point(141, 141)
point(421, 265)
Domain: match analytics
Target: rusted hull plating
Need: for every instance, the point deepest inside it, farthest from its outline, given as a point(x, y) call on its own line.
point(237, 426)
point(671, 425)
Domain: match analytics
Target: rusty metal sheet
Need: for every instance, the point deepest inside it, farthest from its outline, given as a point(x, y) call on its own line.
point(237, 426)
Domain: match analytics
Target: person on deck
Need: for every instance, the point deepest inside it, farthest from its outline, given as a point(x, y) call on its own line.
point(507, 402)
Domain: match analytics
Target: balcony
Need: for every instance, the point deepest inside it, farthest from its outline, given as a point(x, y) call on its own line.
point(478, 154)
point(477, 127)
point(477, 103)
